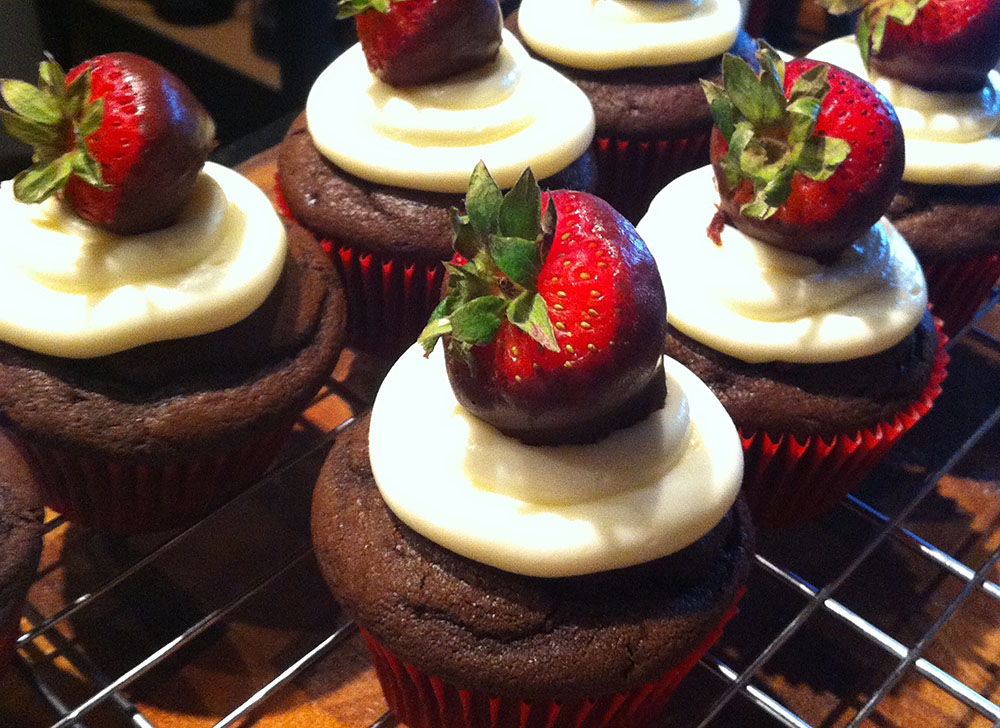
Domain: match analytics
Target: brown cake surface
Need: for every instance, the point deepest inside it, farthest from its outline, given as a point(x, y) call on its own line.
point(814, 399)
point(188, 395)
point(338, 206)
point(652, 102)
point(482, 628)
point(948, 223)
point(20, 532)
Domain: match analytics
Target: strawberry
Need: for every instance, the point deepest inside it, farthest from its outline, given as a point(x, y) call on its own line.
point(807, 157)
point(120, 137)
point(411, 42)
point(936, 45)
point(554, 324)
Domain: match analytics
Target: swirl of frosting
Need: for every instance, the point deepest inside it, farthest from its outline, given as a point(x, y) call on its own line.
point(513, 113)
point(754, 302)
point(552, 511)
point(603, 35)
point(951, 138)
point(74, 290)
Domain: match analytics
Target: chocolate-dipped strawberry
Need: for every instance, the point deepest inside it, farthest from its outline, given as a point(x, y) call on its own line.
point(807, 156)
point(553, 323)
point(120, 137)
point(411, 42)
point(936, 45)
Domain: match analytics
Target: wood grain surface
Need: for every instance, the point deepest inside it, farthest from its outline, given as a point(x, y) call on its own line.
point(259, 544)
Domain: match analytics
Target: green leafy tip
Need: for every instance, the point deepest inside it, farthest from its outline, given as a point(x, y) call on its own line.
point(873, 18)
point(350, 8)
point(771, 137)
point(504, 240)
point(54, 120)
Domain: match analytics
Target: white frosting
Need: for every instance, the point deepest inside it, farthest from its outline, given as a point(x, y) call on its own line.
point(603, 35)
point(951, 138)
point(74, 290)
point(757, 303)
point(514, 113)
point(637, 495)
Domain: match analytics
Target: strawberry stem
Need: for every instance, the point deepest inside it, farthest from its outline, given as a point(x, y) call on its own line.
point(874, 16)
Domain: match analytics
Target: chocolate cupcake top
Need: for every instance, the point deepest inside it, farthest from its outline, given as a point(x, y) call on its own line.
point(20, 530)
point(504, 633)
point(181, 395)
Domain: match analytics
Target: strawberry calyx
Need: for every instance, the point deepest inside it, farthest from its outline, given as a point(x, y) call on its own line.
point(875, 14)
point(503, 240)
point(350, 8)
point(770, 136)
point(55, 119)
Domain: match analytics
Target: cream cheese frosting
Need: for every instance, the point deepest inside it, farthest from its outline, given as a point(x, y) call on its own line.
point(513, 113)
point(74, 290)
point(604, 35)
point(951, 138)
point(639, 494)
point(758, 303)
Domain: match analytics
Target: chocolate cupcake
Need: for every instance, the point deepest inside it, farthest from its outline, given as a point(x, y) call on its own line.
point(640, 64)
point(20, 543)
point(809, 318)
point(151, 366)
point(380, 156)
point(948, 206)
point(497, 580)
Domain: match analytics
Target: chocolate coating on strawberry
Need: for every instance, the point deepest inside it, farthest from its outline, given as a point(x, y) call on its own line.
point(555, 326)
point(936, 45)
point(120, 136)
point(412, 42)
point(807, 156)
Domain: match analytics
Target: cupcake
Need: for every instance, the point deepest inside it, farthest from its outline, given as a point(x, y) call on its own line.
point(639, 64)
point(500, 582)
point(389, 134)
point(936, 72)
point(152, 358)
point(20, 544)
point(803, 310)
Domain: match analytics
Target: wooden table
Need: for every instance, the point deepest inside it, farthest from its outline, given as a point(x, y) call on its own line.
point(242, 597)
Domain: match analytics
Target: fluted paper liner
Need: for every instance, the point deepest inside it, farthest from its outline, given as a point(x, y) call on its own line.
point(423, 701)
point(788, 480)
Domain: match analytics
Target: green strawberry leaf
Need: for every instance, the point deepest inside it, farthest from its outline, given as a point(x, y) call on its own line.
point(477, 322)
point(772, 95)
point(731, 166)
point(530, 313)
point(842, 7)
point(42, 181)
point(820, 156)
point(863, 34)
point(437, 326)
point(757, 209)
point(30, 132)
point(742, 86)
point(78, 93)
point(517, 259)
point(51, 78)
point(721, 107)
point(521, 209)
point(30, 102)
point(91, 119)
point(88, 169)
point(811, 84)
point(482, 203)
point(350, 8)
point(463, 238)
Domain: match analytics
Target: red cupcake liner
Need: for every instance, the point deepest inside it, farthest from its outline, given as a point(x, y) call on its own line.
point(788, 480)
point(631, 172)
point(957, 290)
point(389, 299)
point(140, 495)
point(424, 701)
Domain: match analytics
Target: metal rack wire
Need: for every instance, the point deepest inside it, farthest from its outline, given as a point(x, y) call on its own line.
point(737, 678)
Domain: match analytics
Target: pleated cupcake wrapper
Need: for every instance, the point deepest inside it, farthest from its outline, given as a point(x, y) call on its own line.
point(423, 701)
point(389, 299)
point(788, 480)
point(957, 290)
point(135, 495)
point(631, 172)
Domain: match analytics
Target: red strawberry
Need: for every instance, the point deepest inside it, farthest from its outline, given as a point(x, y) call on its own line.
point(554, 328)
point(410, 42)
point(807, 156)
point(120, 135)
point(938, 45)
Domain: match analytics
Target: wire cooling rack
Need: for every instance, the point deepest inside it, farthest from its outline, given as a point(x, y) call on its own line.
point(884, 613)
